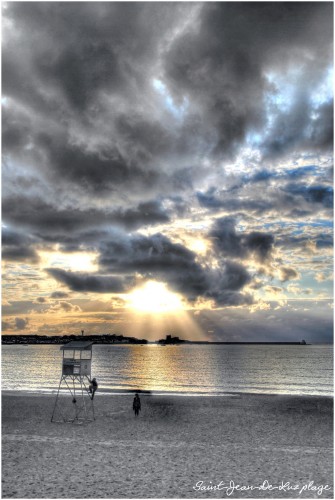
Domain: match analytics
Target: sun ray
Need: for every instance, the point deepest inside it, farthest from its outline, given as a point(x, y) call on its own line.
point(154, 297)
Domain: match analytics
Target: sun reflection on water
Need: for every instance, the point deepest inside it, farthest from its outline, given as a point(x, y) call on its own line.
point(185, 368)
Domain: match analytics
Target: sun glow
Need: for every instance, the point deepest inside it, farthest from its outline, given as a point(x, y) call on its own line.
point(198, 246)
point(154, 297)
point(74, 261)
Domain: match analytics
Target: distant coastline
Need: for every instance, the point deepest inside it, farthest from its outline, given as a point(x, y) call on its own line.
point(120, 339)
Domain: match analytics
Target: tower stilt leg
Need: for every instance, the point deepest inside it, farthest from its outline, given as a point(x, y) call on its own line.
point(75, 405)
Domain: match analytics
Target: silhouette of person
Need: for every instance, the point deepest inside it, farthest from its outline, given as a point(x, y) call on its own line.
point(93, 387)
point(137, 405)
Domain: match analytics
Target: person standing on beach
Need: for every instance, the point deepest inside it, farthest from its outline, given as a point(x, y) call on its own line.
point(93, 387)
point(137, 405)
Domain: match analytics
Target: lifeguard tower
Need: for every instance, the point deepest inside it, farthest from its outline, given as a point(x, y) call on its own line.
point(73, 401)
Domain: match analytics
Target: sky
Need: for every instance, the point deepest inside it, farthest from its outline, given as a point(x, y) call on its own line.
point(167, 168)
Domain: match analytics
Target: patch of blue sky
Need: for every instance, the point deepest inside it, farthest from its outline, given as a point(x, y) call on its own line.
point(177, 111)
point(324, 92)
point(298, 226)
point(301, 226)
point(320, 223)
point(281, 224)
point(283, 89)
point(281, 173)
point(254, 139)
point(302, 171)
point(297, 231)
point(308, 280)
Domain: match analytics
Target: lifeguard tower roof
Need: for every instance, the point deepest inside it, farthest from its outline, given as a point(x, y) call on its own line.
point(76, 345)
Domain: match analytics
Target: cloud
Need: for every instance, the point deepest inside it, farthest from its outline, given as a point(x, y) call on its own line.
point(5, 325)
point(21, 324)
point(241, 245)
point(320, 276)
point(83, 282)
point(312, 194)
point(59, 295)
point(18, 247)
point(288, 273)
point(156, 257)
point(274, 289)
point(107, 132)
point(221, 65)
point(21, 254)
point(44, 218)
point(64, 306)
point(83, 111)
point(286, 200)
point(41, 300)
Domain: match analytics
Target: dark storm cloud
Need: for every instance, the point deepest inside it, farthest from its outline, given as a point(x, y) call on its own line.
point(228, 283)
point(15, 130)
point(293, 199)
point(144, 254)
point(20, 254)
point(87, 76)
point(321, 240)
point(150, 212)
point(85, 49)
point(18, 247)
point(83, 282)
point(265, 190)
point(42, 216)
point(295, 129)
point(221, 65)
point(88, 113)
point(323, 129)
point(210, 199)
point(45, 218)
point(214, 199)
point(150, 138)
point(237, 244)
point(312, 194)
point(99, 172)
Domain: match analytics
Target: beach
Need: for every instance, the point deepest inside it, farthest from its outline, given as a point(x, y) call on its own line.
point(178, 447)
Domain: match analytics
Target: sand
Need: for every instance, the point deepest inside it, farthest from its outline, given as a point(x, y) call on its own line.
point(167, 451)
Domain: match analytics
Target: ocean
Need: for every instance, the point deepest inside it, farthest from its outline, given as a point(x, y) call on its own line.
point(183, 369)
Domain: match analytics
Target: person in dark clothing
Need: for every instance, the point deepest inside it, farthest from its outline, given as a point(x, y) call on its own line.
point(137, 405)
point(93, 387)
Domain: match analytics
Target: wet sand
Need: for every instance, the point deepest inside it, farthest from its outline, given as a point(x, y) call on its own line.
point(173, 445)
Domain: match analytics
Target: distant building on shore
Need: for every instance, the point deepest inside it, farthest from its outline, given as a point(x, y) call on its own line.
point(170, 340)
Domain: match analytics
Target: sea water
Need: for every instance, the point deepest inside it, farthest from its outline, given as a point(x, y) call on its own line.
point(183, 369)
